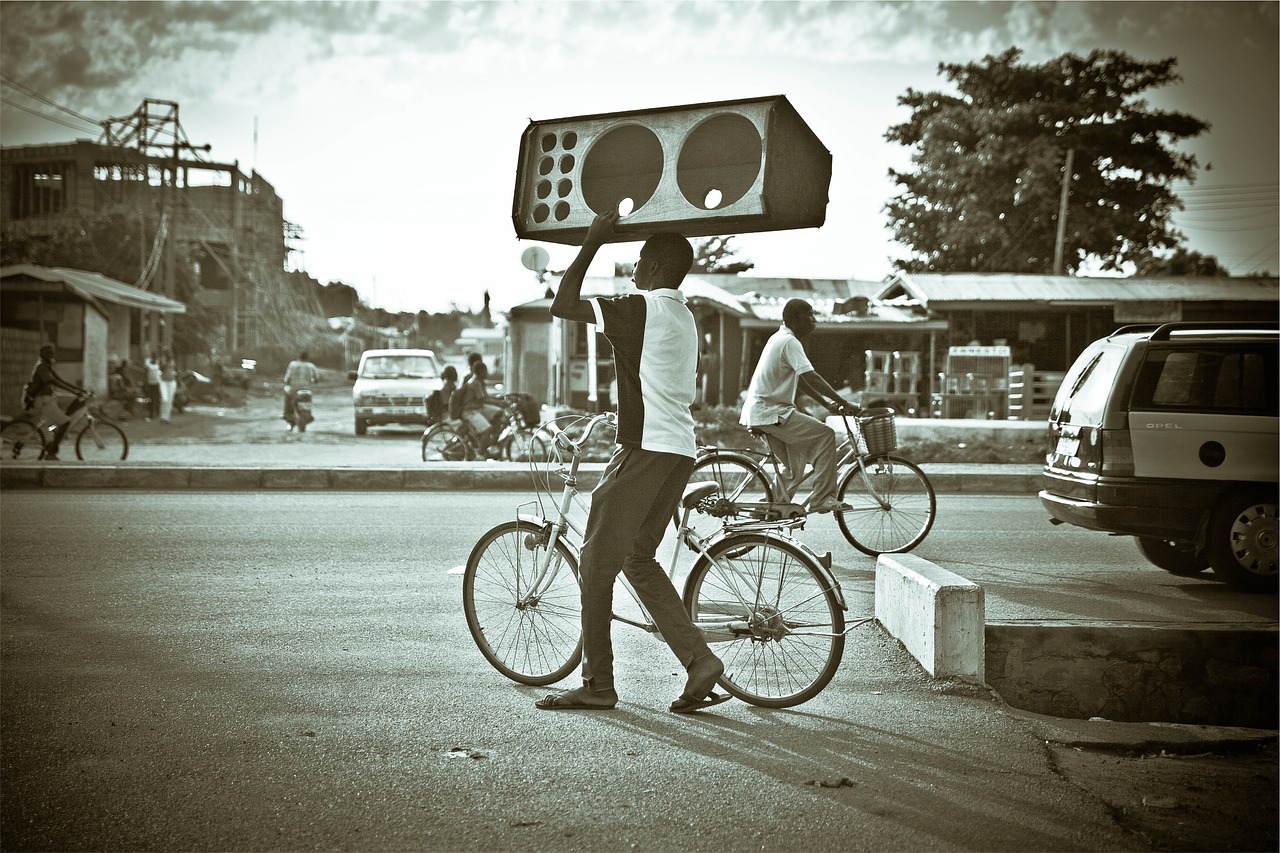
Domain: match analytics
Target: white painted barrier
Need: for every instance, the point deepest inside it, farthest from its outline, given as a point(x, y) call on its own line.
point(937, 615)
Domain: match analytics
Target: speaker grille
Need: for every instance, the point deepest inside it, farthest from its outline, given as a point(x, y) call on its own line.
point(722, 168)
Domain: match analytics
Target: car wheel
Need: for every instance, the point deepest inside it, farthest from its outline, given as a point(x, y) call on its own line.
point(1178, 558)
point(1241, 543)
point(362, 426)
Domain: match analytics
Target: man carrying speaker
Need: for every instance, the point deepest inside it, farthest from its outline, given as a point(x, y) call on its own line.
point(795, 438)
point(655, 350)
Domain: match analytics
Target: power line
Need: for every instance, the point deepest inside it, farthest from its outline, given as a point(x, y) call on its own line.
point(47, 118)
point(34, 95)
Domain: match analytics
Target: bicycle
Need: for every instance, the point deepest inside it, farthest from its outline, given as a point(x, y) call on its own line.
point(892, 502)
point(98, 439)
point(766, 599)
point(455, 441)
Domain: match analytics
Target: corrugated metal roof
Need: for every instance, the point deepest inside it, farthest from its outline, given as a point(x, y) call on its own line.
point(938, 289)
point(801, 288)
point(90, 286)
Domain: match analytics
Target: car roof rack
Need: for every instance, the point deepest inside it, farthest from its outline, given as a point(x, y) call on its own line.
point(1163, 331)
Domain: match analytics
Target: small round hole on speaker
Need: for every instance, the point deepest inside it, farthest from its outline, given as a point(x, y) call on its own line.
point(562, 188)
point(626, 206)
point(566, 164)
point(543, 189)
point(712, 199)
point(545, 165)
point(540, 213)
point(548, 141)
point(562, 211)
point(570, 140)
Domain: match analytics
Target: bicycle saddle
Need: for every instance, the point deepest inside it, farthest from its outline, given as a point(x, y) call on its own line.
point(695, 492)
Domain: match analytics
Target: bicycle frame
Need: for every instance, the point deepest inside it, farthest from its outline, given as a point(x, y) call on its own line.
point(846, 453)
point(714, 629)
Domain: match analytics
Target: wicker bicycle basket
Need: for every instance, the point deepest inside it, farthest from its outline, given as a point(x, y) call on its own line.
point(878, 430)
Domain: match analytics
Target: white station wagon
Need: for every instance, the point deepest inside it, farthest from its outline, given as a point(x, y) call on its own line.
point(1169, 434)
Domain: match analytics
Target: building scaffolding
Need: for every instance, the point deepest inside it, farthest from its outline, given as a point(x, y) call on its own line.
point(231, 224)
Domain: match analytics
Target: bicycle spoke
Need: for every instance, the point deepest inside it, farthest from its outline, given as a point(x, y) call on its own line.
point(782, 596)
point(530, 635)
point(892, 502)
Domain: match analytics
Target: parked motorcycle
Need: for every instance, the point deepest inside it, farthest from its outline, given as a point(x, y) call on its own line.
point(302, 413)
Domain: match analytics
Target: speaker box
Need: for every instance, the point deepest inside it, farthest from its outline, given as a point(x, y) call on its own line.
point(728, 167)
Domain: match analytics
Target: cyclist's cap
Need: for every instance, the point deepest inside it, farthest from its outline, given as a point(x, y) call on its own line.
point(47, 350)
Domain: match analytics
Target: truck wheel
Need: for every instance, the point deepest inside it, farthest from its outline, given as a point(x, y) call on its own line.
point(1177, 558)
point(1241, 543)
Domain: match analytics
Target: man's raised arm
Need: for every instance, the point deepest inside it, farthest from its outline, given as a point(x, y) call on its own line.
point(568, 303)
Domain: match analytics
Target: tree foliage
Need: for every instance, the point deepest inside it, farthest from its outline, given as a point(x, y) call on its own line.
point(1181, 263)
point(715, 255)
point(989, 165)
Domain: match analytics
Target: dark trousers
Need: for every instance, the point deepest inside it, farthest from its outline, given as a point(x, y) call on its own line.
point(631, 508)
point(153, 400)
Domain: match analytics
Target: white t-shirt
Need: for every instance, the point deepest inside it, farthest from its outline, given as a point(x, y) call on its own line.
point(772, 392)
point(655, 356)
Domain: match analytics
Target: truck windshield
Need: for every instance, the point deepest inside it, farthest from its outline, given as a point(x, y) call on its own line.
point(397, 366)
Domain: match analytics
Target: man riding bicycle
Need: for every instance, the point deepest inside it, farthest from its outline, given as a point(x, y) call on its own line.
point(795, 438)
point(40, 403)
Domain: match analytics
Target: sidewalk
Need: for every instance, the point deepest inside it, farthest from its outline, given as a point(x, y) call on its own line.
point(209, 447)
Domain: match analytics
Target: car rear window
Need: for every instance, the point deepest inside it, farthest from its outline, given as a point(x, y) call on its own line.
point(1082, 398)
point(1239, 380)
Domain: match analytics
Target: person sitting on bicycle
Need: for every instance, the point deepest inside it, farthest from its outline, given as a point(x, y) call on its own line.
point(795, 438)
point(481, 412)
point(41, 403)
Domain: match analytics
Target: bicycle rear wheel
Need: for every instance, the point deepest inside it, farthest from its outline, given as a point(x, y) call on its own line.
point(443, 443)
point(740, 479)
point(100, 441)
point(533, 636)
point(790, 634)
point(21, 440)
point(892, 508)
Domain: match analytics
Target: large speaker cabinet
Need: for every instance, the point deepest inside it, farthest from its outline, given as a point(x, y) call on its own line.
point(728, 167)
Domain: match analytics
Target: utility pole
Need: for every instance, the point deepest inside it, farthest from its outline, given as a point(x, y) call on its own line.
point(1058, 249)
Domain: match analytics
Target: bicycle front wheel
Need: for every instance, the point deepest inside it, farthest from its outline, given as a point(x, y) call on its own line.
point(892, 505)
point(443, 443)
point(776, 615)
point(100, 441)
point(528, 627)
point(527, 445)
point(21, 440)
point(740, 480)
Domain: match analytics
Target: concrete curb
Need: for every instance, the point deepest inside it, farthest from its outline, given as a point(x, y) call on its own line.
point(490, 476)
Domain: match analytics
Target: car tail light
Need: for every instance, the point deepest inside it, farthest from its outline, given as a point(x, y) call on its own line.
point(1117, 453)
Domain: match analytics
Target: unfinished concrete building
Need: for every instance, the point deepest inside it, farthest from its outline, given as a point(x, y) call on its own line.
point(230, 224)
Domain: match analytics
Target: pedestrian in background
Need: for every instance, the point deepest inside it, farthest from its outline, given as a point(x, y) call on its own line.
point(153, 387)
point(168, 383)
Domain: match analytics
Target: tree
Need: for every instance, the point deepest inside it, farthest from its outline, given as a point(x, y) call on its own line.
point(1181, 263)
point(989, 165)
point(714, 255)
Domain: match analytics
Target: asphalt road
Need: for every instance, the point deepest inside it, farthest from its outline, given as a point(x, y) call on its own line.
point(291, 671)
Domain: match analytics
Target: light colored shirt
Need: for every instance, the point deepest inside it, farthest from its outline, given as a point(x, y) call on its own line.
point(302, 374)
point(772, 392)
point(655, 356)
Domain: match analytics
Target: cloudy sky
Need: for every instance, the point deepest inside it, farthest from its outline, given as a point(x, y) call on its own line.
point(391, 130)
